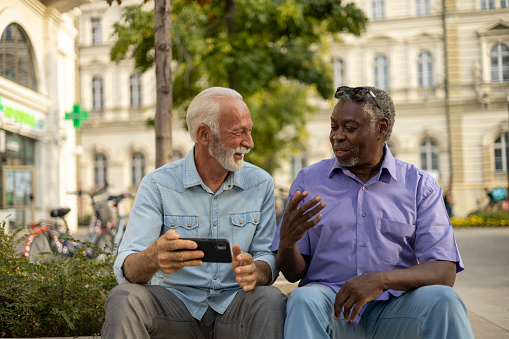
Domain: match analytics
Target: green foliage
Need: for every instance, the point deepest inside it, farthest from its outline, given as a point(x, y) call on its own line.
point(61, 297)
point(269, 51)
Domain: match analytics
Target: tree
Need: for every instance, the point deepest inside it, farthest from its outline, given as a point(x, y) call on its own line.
point(161, 42)
point(273, 52)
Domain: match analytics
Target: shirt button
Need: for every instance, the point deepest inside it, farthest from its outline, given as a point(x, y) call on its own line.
point(240, 222)
point(215, 224)
point(363, 244)
point(173, 224)
point(189, 225)
point(256, 220)
point(215, 278)
point(215, 197)
point(363, 188)
point(363, 214)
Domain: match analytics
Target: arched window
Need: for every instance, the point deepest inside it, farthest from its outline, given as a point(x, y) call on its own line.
point(135, 90)
point(137, 168)
point(422, 7)
point(339, 73)
point(100, 170)
point(499, 154)
point(97, 93)
point(500, 63)
point(425, 69)
point(429, 157)
point(17, 57)
point(381, 71)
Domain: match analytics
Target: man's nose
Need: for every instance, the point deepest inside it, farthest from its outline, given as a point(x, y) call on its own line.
point(248, 141)
point(338, 135)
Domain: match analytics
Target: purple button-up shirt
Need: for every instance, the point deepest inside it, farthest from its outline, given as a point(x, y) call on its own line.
point(396, 220)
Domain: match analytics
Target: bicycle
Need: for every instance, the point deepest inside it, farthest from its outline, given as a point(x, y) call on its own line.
point(46, 236)
point(121, 219)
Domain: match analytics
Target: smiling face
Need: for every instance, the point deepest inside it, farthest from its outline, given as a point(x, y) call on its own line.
point(357, 142)
point(234, 138)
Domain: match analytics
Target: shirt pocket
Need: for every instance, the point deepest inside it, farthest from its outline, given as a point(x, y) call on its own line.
point(394, 241)
point(244, 227)
point(186, 226)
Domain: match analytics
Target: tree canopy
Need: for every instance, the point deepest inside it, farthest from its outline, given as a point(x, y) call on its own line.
point(274, 52)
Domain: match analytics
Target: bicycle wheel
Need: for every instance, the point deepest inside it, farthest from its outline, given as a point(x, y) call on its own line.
point(41, 247)
point(104, 242)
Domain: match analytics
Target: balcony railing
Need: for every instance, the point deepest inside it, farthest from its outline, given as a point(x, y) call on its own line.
point(126, 115)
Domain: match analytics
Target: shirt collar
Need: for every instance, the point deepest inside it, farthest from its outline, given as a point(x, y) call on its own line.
point(389, 164)
point(192, 177)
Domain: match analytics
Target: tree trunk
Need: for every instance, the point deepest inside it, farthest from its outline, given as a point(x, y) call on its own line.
point(164, 102)
point(230, 21)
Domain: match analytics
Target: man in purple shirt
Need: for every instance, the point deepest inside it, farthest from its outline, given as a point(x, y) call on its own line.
point(368, 237)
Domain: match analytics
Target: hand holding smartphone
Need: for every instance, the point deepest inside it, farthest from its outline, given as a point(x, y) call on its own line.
point(215, 250)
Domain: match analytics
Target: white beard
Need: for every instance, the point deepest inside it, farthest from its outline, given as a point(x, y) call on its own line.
point(224, 155)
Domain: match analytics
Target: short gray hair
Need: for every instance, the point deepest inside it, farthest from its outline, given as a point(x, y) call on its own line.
point(370, 106)
point(205, 109)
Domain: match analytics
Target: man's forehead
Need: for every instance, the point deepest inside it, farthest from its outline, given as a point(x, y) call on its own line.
point(348, 109)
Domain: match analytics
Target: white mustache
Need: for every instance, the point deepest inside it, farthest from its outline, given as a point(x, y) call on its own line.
point(242, 150)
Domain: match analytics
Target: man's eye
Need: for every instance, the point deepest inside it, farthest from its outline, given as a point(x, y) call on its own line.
point(333, 127)
point(350, 129)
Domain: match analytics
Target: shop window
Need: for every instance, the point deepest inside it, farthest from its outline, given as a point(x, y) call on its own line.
point(425, 69)
point(500, 63)
point(100, 170)
point(381, 70)
point(429, 157)
point(137, 168)
point(17, 57)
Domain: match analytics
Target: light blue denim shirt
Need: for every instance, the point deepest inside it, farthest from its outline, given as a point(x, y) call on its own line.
point(174, 197)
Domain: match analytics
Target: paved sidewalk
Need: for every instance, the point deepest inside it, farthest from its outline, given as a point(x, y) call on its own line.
point(483, 285)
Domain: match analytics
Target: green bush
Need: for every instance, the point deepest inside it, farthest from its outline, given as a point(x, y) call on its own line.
point(61, 297)
point(495, 218)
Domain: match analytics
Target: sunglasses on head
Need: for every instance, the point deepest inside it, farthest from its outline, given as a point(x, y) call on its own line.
point(356, 93)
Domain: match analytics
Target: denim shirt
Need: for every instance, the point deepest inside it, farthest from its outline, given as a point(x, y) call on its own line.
point(175, 197)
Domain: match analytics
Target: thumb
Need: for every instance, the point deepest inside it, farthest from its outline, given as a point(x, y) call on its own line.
point(171, 235)
point(236, 251)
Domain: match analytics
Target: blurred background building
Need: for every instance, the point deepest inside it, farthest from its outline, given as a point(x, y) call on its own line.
point(445, 64)
point(38, 85)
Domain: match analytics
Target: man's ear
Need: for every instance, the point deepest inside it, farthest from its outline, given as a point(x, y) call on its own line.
point(383, 127)
point(203, 134)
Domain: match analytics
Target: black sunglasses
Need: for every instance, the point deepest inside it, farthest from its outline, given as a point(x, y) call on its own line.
point(356, 93)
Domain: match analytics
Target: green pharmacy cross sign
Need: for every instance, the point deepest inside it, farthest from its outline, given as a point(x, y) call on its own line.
point(77, 116)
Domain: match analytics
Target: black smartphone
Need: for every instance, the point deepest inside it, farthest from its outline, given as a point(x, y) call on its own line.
point(216, 250)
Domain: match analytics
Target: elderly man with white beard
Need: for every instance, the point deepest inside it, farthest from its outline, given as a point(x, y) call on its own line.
point(165, 289)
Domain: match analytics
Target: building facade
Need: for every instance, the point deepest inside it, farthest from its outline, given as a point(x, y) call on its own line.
point(444, 62)
point(37, 87)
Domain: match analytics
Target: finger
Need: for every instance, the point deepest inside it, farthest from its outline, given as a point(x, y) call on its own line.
point(244, 270)
point(315, 210)
point(296, 199)
point(339, 303)
point(178, 244)
point(347, 309)
point(175, 266)
point(309, 204)
point(355, 311)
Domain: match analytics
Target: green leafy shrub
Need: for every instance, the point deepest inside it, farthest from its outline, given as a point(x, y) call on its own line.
point(61, 297)
point(496, 218)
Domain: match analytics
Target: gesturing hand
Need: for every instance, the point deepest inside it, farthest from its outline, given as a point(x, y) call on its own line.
point(245, 269)
point(173, 253)
point(356, 292)
point(297, 220)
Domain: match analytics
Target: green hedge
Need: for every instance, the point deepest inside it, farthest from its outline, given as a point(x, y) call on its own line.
point(62, 297)
point(498, 218)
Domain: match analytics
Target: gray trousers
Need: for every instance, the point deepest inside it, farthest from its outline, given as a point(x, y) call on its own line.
point(139, 311)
